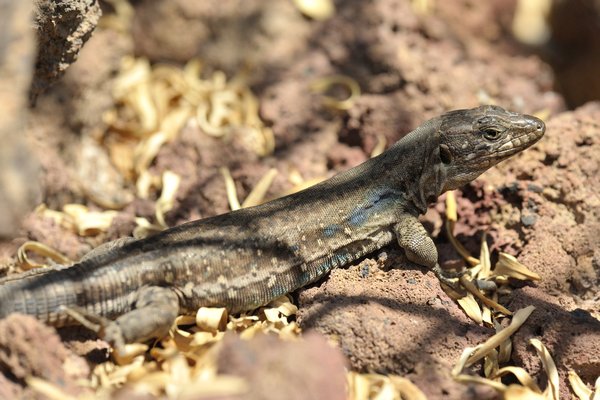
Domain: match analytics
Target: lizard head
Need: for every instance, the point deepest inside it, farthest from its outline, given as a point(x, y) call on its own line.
point(471, 141)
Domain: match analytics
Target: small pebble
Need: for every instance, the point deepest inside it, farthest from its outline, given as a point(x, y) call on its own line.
point(528, 220)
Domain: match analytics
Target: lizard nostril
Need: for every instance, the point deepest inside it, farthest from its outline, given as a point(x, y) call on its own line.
point(539, 125)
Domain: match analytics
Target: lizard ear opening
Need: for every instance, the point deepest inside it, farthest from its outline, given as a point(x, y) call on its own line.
point(445, 154)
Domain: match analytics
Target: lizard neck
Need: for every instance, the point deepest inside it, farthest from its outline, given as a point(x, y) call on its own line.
point(413, 165)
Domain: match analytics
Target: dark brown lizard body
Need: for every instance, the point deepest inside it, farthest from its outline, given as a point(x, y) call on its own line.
point(244, 259)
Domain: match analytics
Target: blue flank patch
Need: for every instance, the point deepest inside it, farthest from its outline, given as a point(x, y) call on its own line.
point(374, 203)
point(324, 267)
point(332, 262)
point(340, 259)
point(331, 230)
point(278, 291)
point(358, 217)
point(305, 277)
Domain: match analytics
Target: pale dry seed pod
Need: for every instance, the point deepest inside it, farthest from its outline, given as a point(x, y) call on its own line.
point(579, 388)
point(166, 201)
point(86, 222)
point(39, 249)
point(211, 319)
point(508, 265)
point(319, 10)
point(471, 307)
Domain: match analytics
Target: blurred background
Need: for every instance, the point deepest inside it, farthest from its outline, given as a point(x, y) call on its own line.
point(365, 71)
point(127, 117)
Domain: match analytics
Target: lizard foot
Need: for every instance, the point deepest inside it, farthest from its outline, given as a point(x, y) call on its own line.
point(113, 334)
point(450, 279)
point(105, 328)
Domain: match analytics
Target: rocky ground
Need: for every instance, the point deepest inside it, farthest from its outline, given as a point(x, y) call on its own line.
point(383, 314)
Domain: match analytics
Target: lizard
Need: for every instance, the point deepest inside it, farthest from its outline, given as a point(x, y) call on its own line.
point(245, 258)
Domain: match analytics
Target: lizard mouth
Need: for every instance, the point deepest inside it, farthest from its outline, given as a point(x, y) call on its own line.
point(519, 143)
point(526, 132)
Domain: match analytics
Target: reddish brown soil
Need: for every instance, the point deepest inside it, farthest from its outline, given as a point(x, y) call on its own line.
point(542, 206)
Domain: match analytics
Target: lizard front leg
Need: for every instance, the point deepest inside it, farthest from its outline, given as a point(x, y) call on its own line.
point(419, 247)
point(155, 311)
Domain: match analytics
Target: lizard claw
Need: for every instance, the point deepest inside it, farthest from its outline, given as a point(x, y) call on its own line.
point(113, 334)
point(448, 278)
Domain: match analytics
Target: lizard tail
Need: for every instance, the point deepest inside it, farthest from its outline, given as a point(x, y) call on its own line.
point(40, 295)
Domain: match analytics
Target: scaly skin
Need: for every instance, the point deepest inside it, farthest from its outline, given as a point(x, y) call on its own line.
point(245, 258)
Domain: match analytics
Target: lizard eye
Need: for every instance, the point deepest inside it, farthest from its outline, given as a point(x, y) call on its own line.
point(490, 133)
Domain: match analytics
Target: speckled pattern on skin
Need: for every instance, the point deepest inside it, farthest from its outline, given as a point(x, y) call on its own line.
point(246, 258)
